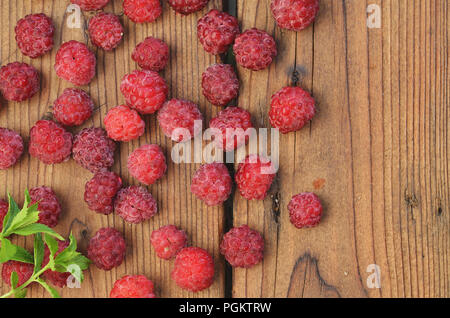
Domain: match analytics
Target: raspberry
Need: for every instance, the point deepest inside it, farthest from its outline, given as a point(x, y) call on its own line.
point(73, 107)
point(49, 142)
point(136, 286)
point(187, 6)
point(255, 49)
point(168, 241)
point(305, 210)
point(23, 270)
point(34, 35)
point(124, 124)
point(75, 63)
point(254, 177)
point(212, 183)
point(177, 119)
point(101, 190)
point(294, 14)
point(90, 5)
point(55, 278)
point(135, 204)
point(140, 11)
point(220, 84)
point(152, 54)
point(93, 150)
point(242, 247)
point(194, 269)
point(107, 248)
point(11, 148)
point(216, 31)
point(147, 164)
point(48, 205)
point(19, 81)
point(4, 206)
point(232, 124)
point(144, 91)
point(290, 109)
point(105, 30)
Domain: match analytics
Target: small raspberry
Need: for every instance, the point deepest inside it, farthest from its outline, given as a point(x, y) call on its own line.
point(136, 286)
point(124, 124)
point(73, 107)
point(55, 278)
point(19, 81)
point(220, 84)
point(144, 91)
point(75, 63)
point(168, 241)
point(294, 15)
point(187, 6)
point(305, 210)
point(140, 11)
point(212, 183)
point(48, 205)
point(34, 35)
point(4, 206)
point(147, 164)
point(101, 190)
point(255, 49)
point(11, 148)
point(93, 150)
point(49, 142)
point(254, 177)
point(105, 30)
point(24, 271)
point(135, 204)
point(90, 5)
point(242, 247)
point(107, 248)
point(152, 54)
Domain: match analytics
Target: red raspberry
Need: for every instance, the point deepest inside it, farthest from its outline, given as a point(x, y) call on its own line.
point(34, 35)
point(291, 108)
point(177, 119)
point(147, 164)
point(216, 31)
point(144, 91)
point(233, 124)
point(48, 205)
point(75, 63)
point(254, 177)
point(220, 84)
point(105, 30)
point(136, 286)
point(49, 142)
point(140, 11)
point(124, 124)
point(187, 6)
point(294, 14)
point(194, 269)
point(168, 241)
point(90, 5)
point(93, 150)
point(242, 247)
point(305, 210)
point(19, 81)
point(24, 271)
point(135, 204)
point(107, 248)
point(212, 183)
point(73, 107)
point(101, 190)
point(55, 278)
point(4, 206)
point(11, 148)
point(152, 54)
point(255, 49)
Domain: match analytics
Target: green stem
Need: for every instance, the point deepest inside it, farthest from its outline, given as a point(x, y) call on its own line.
point(32, 279)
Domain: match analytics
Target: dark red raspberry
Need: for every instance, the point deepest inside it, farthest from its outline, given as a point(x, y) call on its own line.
point(11, 148)
point(49, 142)
point(152, 54)
point(168, 241)
point(53, 277)
point(242, 247)
point(19, 81)
point(124, 124)
point(255, 49)
point(90, 5)
point(232, 124)
point(34, 35)
point(4, 206)
point(105, 30)
point(48, 205)
point(147, 164)
point(107, 248)
point(24, 271)
point(101, 190)
point(73, 107)
point(135, 204)
point(254, 177)
point(216, 31)
point(177, 119)
point(140, 11)
point(212, 183)
point(305, 210)
point(194, 269)
point(136, 286)
point(187, 6)
point(144, 91)
point(294, 15)
point(75, 63)
point(93, 150)
point(220, 84)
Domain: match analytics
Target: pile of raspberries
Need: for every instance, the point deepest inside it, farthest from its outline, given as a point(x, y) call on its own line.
point(146, 92)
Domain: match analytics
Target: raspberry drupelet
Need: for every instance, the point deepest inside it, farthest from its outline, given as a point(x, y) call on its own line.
point(73, 107)
point(152, 54)
point(4, 206)
point(305, 210)
point(220, 84)
point(101, 190)
point(294, 15)
point(186, 7)
point(135, 204)
point(48, 205)
point(168, 241)
point(11, 148)
point(124, 124)
point(212, 183)
point(19, 81)
point(147, 164)
point(107, 248)
point(90, 5)
point(140, 11)
point(24, 272)
point(133, 286)
point(34, 35)
point(105, 31)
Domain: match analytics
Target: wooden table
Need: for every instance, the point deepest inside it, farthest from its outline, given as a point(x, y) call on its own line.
point(377, 153)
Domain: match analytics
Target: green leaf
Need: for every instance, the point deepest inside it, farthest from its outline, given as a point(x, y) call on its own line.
point(13, 209)
point(36, 228)
point(51, 243)
point(38, 252)
point(18, 220)
point(69, 260)
point(49, 288)
point(21, 293)
point(14, 280)
point(9, 251)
